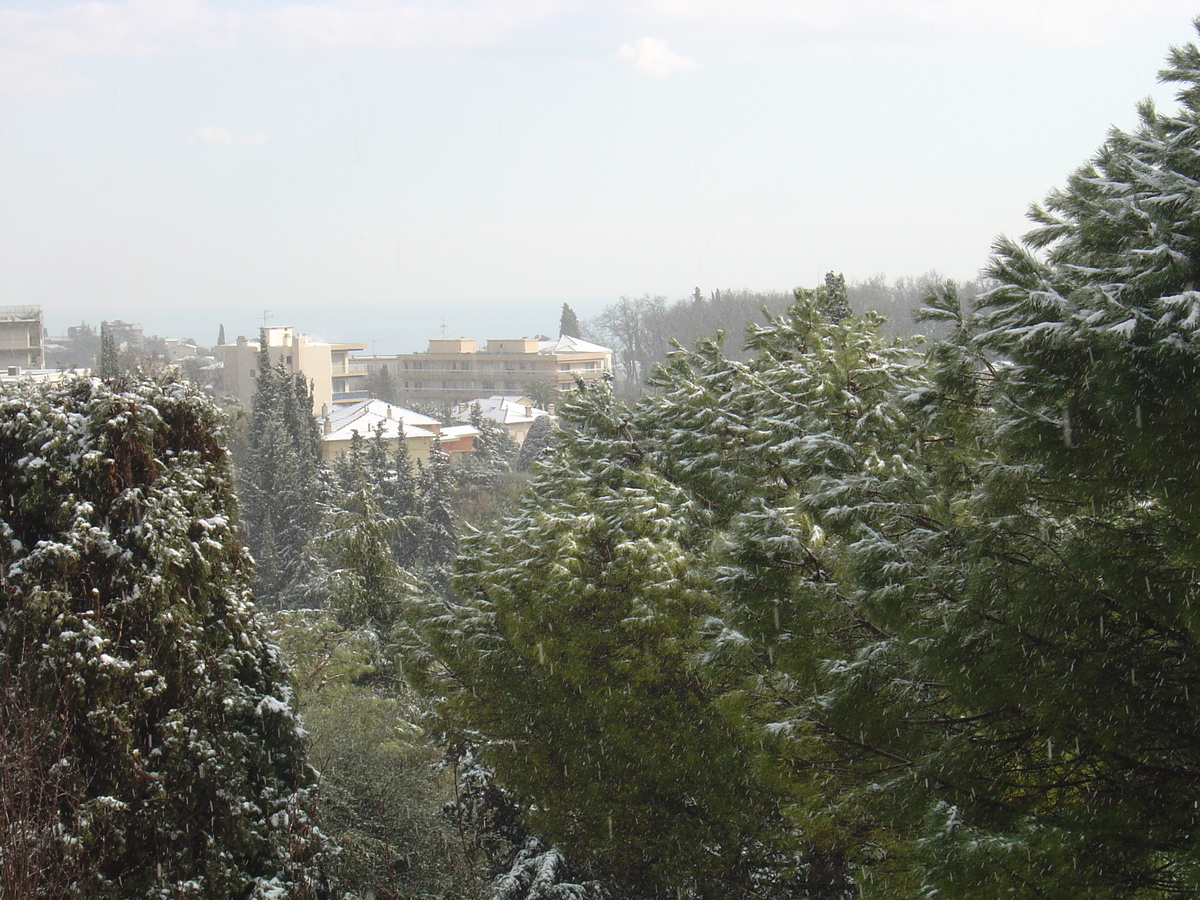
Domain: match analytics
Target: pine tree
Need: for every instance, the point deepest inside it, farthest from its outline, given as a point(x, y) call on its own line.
point(441, 542)
point(1035, 578)
point(280, 486)
point(126, 620)
point(494, 452)
point(655, 540)
point(401, 502)
point(835, 303)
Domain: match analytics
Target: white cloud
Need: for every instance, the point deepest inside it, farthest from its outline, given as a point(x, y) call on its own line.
point(213, 134)
point(413, 25)
point(654, 57)
point(37, 49)
point(851, 22)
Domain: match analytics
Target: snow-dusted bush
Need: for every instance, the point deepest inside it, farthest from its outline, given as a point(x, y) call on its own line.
point(127, 624)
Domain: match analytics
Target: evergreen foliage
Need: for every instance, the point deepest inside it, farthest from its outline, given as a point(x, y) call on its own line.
point(916, 626)
point(568, 322)
point(1037, 582)
point(540, 438)
point(441, 542)
point(635, 644)
point(544, 394)
point(495, 453)
point(280, 487)
point(109, 364)
point(126, 623)
point(835, 303)
point(381, 800)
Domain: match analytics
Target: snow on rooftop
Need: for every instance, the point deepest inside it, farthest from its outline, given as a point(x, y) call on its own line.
point(568, 344)
point(505, 410)
point(363, 417)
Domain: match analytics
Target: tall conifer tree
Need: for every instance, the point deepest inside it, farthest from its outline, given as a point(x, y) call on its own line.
point(127, 624)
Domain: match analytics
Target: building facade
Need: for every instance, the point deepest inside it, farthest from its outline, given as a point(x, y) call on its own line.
point(22, 343)
point(325, 366)
point(458, 370)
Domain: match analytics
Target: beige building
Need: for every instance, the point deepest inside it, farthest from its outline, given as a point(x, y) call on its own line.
point(458, 370)
point(326, 366)
point(21, 338)
point(341, 422)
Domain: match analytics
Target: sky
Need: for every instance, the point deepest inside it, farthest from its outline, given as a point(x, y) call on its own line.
point(386, 171)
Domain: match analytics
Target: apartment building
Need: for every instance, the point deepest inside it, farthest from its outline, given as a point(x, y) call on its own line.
point(328, 367)
point(457, 370)
point(22, 344)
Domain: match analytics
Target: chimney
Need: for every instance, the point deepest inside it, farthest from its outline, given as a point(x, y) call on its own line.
point(328, 427)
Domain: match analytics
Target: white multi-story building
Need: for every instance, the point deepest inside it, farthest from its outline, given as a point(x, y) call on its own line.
point(22, 343)
point(327, 367)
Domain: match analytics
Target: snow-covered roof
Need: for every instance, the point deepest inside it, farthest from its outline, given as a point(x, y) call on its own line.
point(568, 344)
point(457, 432)
point(363, 417)
point(504, 410)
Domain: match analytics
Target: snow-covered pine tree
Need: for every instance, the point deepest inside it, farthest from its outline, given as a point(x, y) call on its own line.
point(441, 541)
point(400, 501)
point(835, 303)
point(571, 660)
point(366, 584)
point(280, 486)
point(126, 619)
point(1036, 592)
point(494, 454)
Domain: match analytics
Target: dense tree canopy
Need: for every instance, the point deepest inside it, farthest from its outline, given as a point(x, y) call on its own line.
point(165, 744)
point(850, 618)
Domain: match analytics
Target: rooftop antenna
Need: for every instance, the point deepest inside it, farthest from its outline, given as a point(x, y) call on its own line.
point(443, 327)
point(266, 315)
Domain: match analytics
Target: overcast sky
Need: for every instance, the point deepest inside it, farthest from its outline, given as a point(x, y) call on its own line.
point(366, 169)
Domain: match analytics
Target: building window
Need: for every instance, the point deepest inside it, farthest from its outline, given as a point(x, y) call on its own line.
point(489, 385)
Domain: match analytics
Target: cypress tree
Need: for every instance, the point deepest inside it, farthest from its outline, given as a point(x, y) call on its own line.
point(568, 322)
point(126, 622)
point(109, 363)
point(539, 439)
point(441, 542)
